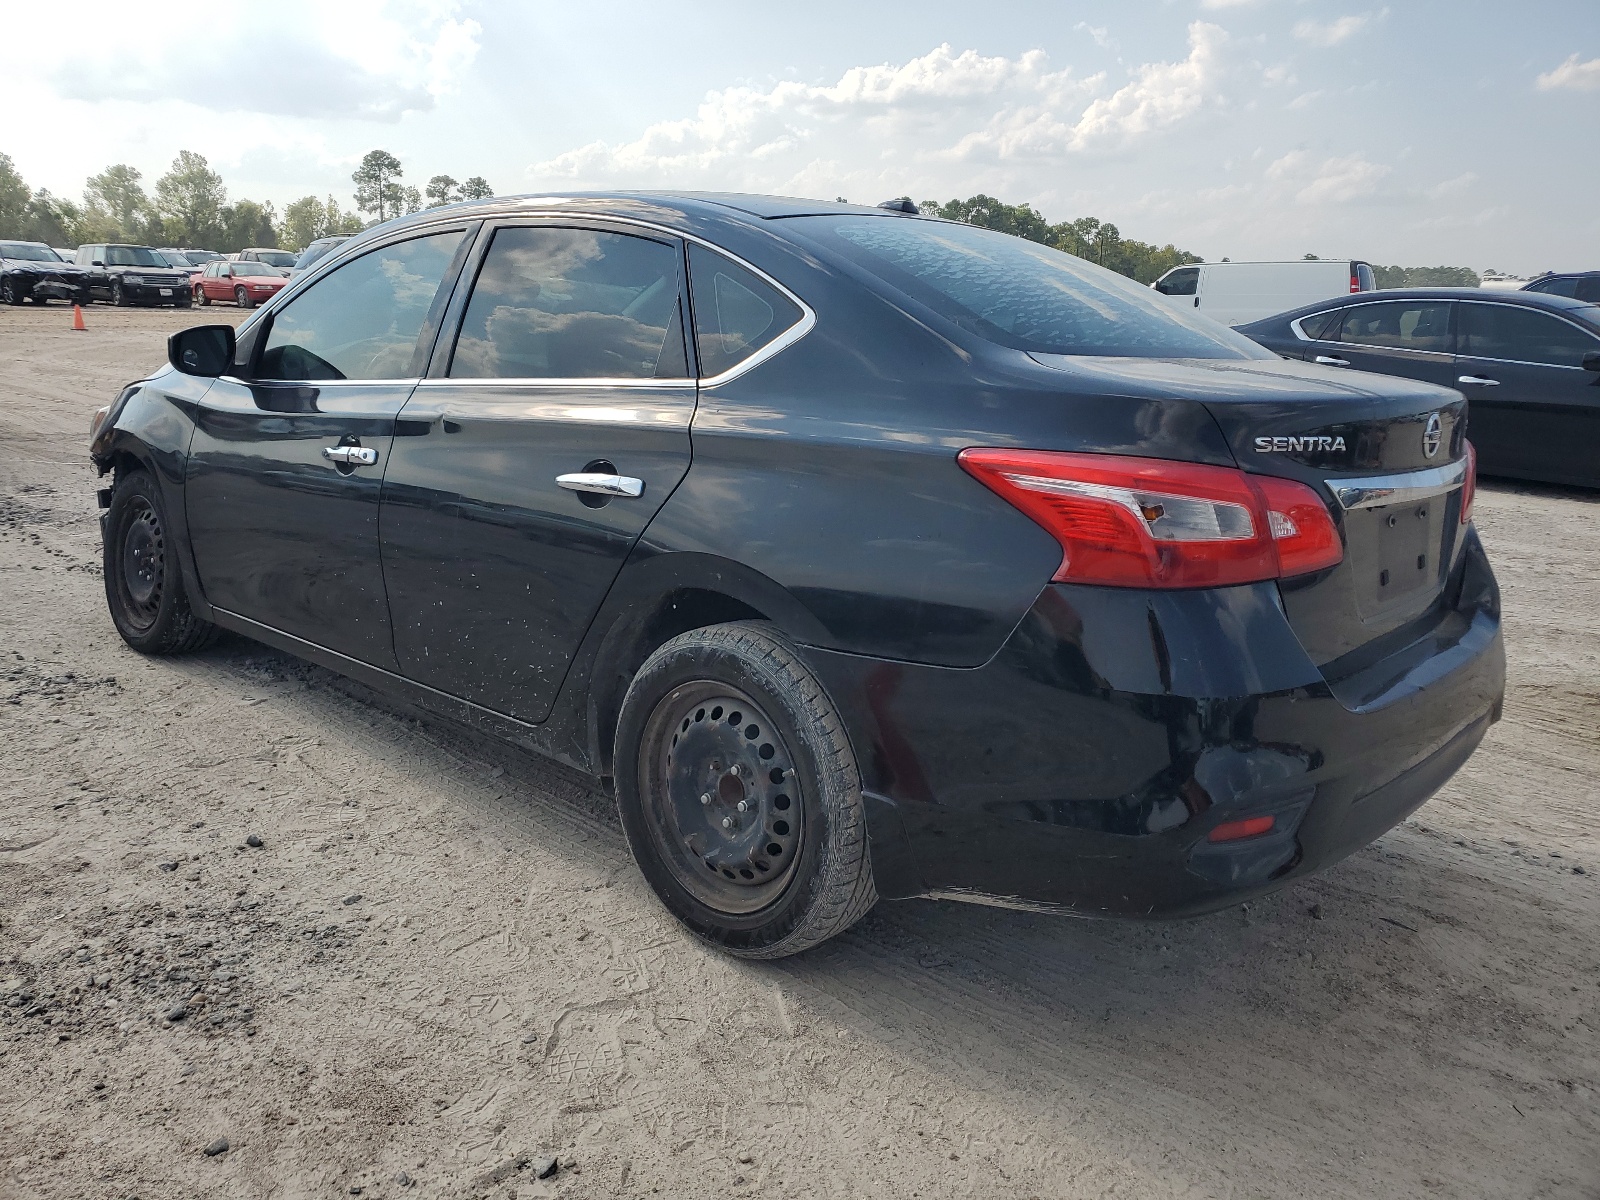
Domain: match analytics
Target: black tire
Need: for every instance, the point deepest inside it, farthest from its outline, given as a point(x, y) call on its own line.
point(144, 589)
point(10, 292)
point(200, 297)
point(118, 296)
point(728, 715)
point(242, 298)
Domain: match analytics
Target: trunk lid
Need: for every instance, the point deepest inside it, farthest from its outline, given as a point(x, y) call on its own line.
point(1386, 453)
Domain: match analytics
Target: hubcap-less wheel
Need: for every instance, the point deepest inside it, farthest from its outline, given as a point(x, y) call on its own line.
point(143, 566)
point(723, 803)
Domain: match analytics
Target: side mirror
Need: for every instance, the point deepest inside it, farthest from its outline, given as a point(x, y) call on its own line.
point(97, 263)
point(205, 350)
point(1591, 362)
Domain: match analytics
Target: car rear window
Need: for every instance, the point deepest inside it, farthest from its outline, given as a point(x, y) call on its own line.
point(1024, 295)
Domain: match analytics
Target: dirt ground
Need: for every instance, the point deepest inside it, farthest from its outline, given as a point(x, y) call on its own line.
point(440, 968)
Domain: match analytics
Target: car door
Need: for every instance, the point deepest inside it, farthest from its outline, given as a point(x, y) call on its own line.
point(1534, 411)
point(551, 428)
point(92, 260)
point(1181, 287)
point(286, 464)
point(1393, 337)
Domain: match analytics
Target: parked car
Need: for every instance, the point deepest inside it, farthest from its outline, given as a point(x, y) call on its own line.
point(1580, 285)
point(128, 275)
point(282, 259)
point(315, 251)
point(990, 575)
point(31, 271)
point(247, 284)
point(1237, 293)
point(64, 254)
point(1528, 361)
point(195, 258)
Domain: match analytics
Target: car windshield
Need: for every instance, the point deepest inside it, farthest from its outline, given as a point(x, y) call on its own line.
point(176, 259)
point(259, 269)
point(200, 257)
point(1020, 294)
point(133, 256)
point(278, 258)
point(313, 252)
point(27, 253)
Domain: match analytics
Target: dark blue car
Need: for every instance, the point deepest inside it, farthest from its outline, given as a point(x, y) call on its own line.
point(1527, 361)
point(862, 554)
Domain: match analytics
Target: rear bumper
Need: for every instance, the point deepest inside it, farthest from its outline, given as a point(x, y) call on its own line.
point(1084, 765)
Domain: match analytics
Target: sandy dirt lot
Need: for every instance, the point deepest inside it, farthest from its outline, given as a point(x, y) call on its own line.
point(440, 969)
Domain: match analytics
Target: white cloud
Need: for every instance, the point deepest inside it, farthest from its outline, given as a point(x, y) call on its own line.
point(941, 117)
point(1331, 33)
point(364, 59)
point(1222, 4)
point(1573, 75)
point(1339, 180)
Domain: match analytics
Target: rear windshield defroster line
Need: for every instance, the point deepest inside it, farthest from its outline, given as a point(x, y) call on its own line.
point(1023, 295)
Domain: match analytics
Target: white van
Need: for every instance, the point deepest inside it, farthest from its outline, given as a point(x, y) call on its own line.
point(1237, 293)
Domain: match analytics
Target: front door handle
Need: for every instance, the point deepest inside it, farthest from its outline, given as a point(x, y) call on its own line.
point(604, 485)
point(1478, 380)
point(1328, 360)
point(355, 456)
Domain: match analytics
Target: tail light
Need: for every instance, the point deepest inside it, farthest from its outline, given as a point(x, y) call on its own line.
point(1469, 486)
point(1148, 522)
point(1233, 831)
point(1355, 282)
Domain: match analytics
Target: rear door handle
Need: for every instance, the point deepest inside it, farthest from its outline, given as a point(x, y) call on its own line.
point(604, 485)
point(1478, 380)
point(1328, 360)
point(357, 456)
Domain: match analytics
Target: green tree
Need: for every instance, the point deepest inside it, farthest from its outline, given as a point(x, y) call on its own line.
point(410, 200)
point(189, 197)
point(442, 189)
point(116, 192)
point(302, 223)
point(246, 223)
point(378, 188)
point(1398, 277)
point(51, 219)
point(14, 197)
point(476, 188)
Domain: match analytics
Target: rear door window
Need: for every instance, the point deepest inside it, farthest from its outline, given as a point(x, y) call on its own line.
point(736, 312)
point(1516, 334)
point(1559, 286)
point(364, 320)
point(1400, 325)
point(1589, 289)
point(1322, 324)
point(556, 303)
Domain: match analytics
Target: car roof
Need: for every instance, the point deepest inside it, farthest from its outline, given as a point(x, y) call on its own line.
point(1526, 299)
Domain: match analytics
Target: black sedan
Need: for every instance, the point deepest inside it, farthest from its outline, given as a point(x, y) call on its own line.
point(32, 271)
point(862, 554)
point(127, 275)
point(1529, 363)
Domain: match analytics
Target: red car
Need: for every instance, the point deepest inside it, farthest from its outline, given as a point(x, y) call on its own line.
point(247, 284)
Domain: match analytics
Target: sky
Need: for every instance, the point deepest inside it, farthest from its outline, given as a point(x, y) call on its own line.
point(1424, 132)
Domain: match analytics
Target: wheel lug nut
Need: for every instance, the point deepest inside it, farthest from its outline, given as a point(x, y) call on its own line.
point(727, 822)
point(744, 806)
point(705, 797)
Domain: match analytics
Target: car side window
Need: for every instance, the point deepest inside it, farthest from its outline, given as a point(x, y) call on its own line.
point(561, 303)
point(1518, 334)
point(1321, 325)
point(1180, 283)
point(364, 320)
point(1401, 325)
point(1559, 286)
point(736, 312)
point(1588, 289)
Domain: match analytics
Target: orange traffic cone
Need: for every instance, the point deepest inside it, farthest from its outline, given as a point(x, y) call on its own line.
point(77, 318)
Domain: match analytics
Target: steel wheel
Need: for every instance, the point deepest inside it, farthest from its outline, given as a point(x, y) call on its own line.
point(143, 562)
point(722, 800)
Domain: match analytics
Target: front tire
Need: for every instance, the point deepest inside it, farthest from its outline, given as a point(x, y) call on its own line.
point(740, 795)
point(10, 292)
point(118, 296)
point(200, 298)
point(242, 298)
point(144, 590)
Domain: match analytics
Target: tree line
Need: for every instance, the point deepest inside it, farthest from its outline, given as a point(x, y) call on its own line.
point(189, 206)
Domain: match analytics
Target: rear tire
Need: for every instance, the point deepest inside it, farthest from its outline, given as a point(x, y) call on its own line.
point(728, 716)
point(144, 586)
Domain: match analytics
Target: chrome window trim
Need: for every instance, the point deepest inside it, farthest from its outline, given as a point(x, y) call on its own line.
point(317, 383)
point(1403, 487)
point(559, 382)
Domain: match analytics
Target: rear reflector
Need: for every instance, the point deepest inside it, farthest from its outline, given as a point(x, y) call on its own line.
point(1150, 522)
point(1233, 831)
point(1469, 486)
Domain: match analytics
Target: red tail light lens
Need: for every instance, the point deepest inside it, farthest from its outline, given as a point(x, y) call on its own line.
point(1355, 282)
point(1233, 831)
point(1149, 522)
point(1469, 486)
